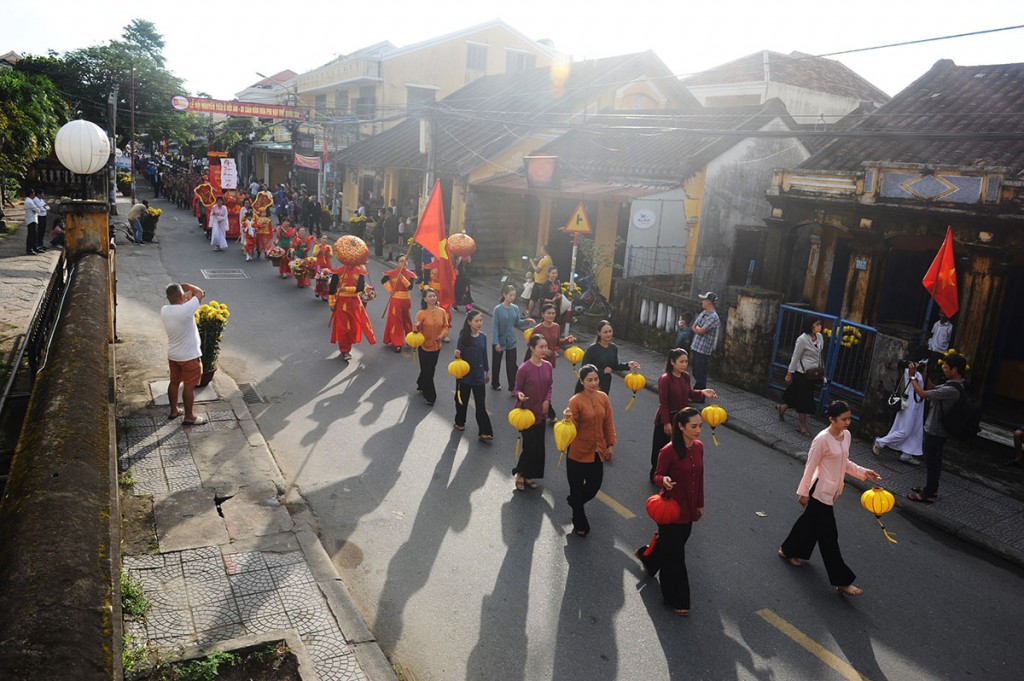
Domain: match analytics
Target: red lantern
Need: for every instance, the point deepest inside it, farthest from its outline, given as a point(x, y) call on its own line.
point(663, 510)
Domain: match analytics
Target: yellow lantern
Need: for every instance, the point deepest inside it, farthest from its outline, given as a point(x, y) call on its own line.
point(521, 419)
point(573, 354)
point(526, 334)
point(634, 381)
point(714, 416)
point(458, 368)
point(414, 339)
point(878, 501)
point(565, 433)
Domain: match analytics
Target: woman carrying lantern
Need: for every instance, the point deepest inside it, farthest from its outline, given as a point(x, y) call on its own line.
point(604, 354)
point(324, 260)
point(828, 460)
point(674, 395)
point(503, 334)
point(472, 348)
point(533, 391)
point(591, 412)
point(680, 473)
point(433, 322)
point(398, 282)
point(552, 333)
point(348, 320)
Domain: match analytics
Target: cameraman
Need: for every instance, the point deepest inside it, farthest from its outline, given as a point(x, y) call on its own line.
point(942, 398)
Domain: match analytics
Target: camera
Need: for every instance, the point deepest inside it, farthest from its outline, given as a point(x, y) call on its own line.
point(903, 364)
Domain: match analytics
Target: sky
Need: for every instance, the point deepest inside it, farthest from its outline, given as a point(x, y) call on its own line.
point(221, 52)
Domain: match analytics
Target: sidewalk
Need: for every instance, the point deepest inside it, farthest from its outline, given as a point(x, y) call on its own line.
point(222, 552)
point(974, 505)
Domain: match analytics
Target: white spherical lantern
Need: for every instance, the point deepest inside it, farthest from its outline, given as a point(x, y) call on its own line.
point(82, 147)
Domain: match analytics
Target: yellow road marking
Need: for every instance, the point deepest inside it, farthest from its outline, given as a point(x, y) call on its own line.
point(811, 646)
point(616, 506)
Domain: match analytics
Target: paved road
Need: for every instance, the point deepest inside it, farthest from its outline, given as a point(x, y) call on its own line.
point(461, 578)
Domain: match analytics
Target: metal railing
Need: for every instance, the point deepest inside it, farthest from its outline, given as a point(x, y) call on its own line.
point(642, 261)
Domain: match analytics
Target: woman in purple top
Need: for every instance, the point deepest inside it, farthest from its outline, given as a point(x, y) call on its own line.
point(533, 392)
point(674, 394)
point(680, 474)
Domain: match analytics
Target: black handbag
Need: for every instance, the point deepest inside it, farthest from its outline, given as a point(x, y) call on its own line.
point(897, 401)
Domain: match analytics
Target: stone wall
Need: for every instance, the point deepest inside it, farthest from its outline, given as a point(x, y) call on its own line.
point(746, 351)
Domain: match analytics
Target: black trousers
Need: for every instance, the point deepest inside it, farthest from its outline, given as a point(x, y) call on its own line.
point(31, 236)
point(425, 381)
point(41, 232)
point(658, 442)
point(817, 525)
point(584, 484)
point(669, 557)
point(531, 458)
point(510, 367)
point(479, 392)
point(931, 447)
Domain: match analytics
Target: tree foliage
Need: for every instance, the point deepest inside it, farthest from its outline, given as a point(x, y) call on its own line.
point(31, 113)
point(85, 77)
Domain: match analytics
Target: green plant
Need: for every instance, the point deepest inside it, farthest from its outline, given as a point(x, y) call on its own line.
point(133, 600)
point(133, 655)
point(594, 259)
point(206, 668)
point(126, 479)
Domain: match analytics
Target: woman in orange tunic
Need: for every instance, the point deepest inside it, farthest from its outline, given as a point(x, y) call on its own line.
point(349, 320)
point(398, 282)
point(324, 261)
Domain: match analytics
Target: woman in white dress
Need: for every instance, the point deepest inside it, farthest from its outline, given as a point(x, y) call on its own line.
point(907, 432)
point(219, 225)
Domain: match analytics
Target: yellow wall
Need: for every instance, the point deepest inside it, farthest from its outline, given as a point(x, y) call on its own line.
point(693, 204)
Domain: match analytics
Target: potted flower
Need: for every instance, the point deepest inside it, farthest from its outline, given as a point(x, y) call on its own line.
point(149, 221)
point(357, 226)
point(211, 318)
point(124, 183)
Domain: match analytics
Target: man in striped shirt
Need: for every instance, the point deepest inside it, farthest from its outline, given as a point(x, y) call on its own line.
point(705, 336)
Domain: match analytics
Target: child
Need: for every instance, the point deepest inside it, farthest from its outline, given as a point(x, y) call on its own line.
point(249, 236)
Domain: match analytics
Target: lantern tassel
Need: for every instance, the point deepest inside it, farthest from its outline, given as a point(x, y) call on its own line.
point(561, 455)
point(631, 399)
point(714, 437)
point(414, 353)
point(885, 531)
point(458, 393)
point(650, 547)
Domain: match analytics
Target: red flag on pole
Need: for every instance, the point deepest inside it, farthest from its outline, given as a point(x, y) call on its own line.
point(431, 235)
point(940, 280)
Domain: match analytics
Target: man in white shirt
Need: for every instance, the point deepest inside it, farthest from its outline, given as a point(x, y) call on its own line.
point(184, 355)
point(44, 209)
point(31, 222)
point(938, 343)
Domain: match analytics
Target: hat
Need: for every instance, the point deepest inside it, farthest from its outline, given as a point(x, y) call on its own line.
point(709, 296)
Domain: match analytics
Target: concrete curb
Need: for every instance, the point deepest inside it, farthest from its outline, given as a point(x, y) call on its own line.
point(350, 619)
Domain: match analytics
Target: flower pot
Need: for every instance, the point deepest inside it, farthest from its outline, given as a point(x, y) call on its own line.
point(275, 261)
point(207, 377)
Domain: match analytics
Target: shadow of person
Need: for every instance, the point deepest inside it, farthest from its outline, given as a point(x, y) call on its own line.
point(503, 641)
point(585, 645)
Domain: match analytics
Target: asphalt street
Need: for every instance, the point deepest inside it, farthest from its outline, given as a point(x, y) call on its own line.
point(461, 577)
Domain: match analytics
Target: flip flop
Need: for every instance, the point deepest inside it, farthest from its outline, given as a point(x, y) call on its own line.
point(200, 420)
point(171, 417)
point(795, 562)
point(532, 484)
point(921, 498)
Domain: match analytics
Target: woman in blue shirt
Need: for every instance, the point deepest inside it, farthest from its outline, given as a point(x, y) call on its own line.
point(472, 348)
point(504, 336)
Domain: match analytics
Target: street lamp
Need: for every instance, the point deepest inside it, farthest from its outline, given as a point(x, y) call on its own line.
point(83, 148)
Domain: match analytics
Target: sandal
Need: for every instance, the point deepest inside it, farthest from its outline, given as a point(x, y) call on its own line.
point(171, 417)
point(850, 590)
point(782, 412)
point(520, 483)
point(681, 612)
point(532, 484)
point(804, 432)
point(199, 420)
point(486, 438)
point(921, 498)
point(458, 427)
point(795, 562)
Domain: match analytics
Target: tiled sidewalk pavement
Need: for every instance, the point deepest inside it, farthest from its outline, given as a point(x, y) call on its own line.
point(975, 512)
point(206, 594)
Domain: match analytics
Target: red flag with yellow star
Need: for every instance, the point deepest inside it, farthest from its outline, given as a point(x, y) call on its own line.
point(431, 235)
point(940, 280)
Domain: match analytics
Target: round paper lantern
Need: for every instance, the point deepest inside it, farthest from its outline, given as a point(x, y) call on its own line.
point(461, 244)
point(634, 381)
point(663, 510)
point(878, 501)
point(458, 368)
point(573, 354)
point(351, 250)
point(414, 339)
point(565, 433)
point(521, 419)
point(82, 147)
point(526, 334)
point(714, 416)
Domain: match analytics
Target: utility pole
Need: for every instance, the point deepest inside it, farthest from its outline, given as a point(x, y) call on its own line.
point(112, 134)
point(131, 126)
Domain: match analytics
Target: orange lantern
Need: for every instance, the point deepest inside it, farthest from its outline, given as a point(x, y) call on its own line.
point(351, 250)
point(461, 244)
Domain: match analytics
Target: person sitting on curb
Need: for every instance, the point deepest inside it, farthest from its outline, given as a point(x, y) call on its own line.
point(943, 398)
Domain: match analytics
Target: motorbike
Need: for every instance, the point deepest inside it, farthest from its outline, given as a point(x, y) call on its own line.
point(591, 303)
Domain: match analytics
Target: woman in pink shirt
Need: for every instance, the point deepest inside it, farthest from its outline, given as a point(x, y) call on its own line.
point(828, 460)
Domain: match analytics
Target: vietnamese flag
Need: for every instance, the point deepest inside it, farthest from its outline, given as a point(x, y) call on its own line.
point(940, 280)
point(431, 235)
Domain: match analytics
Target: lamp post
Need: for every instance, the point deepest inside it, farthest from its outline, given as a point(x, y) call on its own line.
point(83, 148)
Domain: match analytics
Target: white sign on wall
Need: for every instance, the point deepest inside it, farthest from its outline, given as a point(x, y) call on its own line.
point(228, 174)
point(644, 218)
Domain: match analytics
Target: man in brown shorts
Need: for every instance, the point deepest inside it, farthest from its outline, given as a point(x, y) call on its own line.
point(184, 356)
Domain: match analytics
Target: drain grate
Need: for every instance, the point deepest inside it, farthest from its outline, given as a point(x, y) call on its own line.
point(250, 394)
point(224, 274)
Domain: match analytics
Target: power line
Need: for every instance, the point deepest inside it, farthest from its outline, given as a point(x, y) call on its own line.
point(922, 40)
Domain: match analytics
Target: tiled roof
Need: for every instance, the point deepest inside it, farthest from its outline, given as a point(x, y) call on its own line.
point(658, 147)
point(799, 69)
point(947, 99)
point(495, 112)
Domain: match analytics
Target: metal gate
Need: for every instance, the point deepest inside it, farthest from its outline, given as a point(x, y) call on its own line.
point(847, 354)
